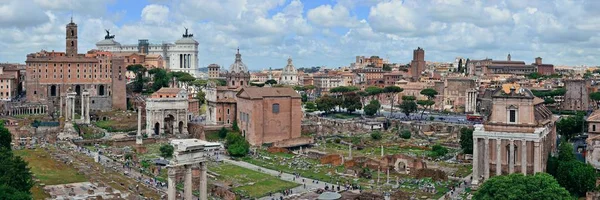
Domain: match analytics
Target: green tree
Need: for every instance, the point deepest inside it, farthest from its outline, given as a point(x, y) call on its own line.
point(257, 84)
point(271, 82)
point(408, 105)
point(465, 69)
point(140, 81)
point(304, 97)
point(570, 126)
point(405, 134)
point(351, 102)
point(373, 91)
point(565, 151)
point(223, 133)
point(5, 137)
point(460, 66)
point(549, 101)
point(425, 104)
point(201, 96)
point(326, 103)
point(166, 151)
point(392, 92)
point(577, 177)
point(10, 193)
point(519, 187)
point(160, 78)
point(235, 126)
point(534, 75)
point(466, 140)
point(438, 151)
point(310, 106)
point(237, 146)
point(219, 82)
point(14, 172)
point(596, 97)
point(387, 67)
point(376, 135)
point(429, 93)
point(372, 108)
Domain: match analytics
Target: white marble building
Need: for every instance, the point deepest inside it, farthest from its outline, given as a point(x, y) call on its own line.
point(179, 56)
point(289, 76)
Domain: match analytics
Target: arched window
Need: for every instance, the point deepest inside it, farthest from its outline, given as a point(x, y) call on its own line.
point(53, 90)
point(72, 32)
point(101, 90)
point(72, 43)
point(276, 108)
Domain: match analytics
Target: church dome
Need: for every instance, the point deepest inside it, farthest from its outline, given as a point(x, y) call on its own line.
point(289, 68)
point(238, 66)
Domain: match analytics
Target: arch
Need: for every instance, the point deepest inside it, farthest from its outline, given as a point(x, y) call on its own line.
point(53, 90)
point(72, 43)
point(401, 165)
point(168, 124)
point(180, 127)
point(72, 32)
point(241, 83)
point(156, 128)
point(101, 90)
point(78, 90)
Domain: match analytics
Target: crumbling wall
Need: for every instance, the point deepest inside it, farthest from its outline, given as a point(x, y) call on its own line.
point(333, 159)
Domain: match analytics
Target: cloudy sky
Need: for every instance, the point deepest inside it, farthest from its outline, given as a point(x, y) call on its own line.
point(317, 32)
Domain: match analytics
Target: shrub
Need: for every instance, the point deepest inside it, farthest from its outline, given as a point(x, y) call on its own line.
point(337, 140)
point(376, 135)
point(431, 118)
point(223, 133)
point(166, 151)
point(405, 134)
point(438, 151)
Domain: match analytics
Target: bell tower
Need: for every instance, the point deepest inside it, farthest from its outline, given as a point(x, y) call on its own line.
point(71, 39)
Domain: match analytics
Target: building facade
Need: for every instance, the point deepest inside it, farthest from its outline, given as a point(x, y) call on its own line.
point(577, 96)
point(517, 136)
point(214, 71)
point(50, 75)
point(179, 56)
point(269, 114)
point(417, 65)
point(10, 81)
point(289, 75)
point(167, 112)
point(455, 93)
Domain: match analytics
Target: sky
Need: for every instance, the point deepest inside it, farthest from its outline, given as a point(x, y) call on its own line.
point(317, 32)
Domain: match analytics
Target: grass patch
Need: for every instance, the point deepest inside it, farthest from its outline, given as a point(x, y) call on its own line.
point(250, 183)
point(344, 115)
point(113, 126)
point(48, 170)
point(37, 192)
point(152, 152)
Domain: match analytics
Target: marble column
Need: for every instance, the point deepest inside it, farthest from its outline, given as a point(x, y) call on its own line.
point(171, 190)
point(67, 107)
point(537, 158)
point(498, 157)
point(82, 102)
point(138, 137)
point(349, 151)
point(149, 125)
point(73, 107)
point(187, 186)
point(486, 159)
point(524, 157)
point(60, 111)
point(87, 108)
point(511, 157)
point(476, 175)
point(203, 182)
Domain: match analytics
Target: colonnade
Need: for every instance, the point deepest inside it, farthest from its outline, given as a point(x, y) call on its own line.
point(28, 110)
point(187, 186)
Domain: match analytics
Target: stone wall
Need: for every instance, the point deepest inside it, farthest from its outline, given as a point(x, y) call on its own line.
point(294, 142)
point(196, 130)
point(333, 159)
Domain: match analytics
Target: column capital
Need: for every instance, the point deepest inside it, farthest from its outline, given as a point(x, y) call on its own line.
point(171, 172)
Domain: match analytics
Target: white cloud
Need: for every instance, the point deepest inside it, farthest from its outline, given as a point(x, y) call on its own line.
point(393, 17)
point(18, 13)
point(154, 13)
point(327, 16)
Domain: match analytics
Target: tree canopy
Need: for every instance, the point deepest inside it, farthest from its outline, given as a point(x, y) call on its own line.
point(15, 176)
point(140, 81)
point(372, 108)
point(326, 103)
point(166, 150)
point(237, 146)
point(570, 126)
point(351, 102)
point(551, 93)
point(373, 90)
point(429, 93)
point(519, 187)
point(466, 140)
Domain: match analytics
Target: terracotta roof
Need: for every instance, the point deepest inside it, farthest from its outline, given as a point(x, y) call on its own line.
point(261, 92)
point(595, 116)
point(165, 90)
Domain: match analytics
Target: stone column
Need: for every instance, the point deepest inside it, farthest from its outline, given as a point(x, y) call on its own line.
point(60, 112)
point(524, 157)
point(82, 108)
point(498, 157)
point(486, 159)
point(149, 125)
point(73, 108)
point(87, 108)
point(67, 109)
point(171, 191)
point(381, 150)
point(475, 176)
point(187, 186)
point(138, 137)
point(203, 182)
point(349, 151)
point(537, 158)
point(511, 157)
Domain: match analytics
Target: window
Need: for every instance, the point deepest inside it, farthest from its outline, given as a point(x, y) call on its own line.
point(276, 108)
point(512, 116)
point(594, 127)
point(228, 111)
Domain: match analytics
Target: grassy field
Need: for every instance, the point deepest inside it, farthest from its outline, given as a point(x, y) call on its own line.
point(116, 126)
point(48, 171)
point(152, 151)
point(248, 182)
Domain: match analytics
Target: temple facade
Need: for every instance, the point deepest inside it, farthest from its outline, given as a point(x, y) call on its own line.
point(517, 136)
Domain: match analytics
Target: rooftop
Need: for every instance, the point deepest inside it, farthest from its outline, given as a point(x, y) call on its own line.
point(261, 92)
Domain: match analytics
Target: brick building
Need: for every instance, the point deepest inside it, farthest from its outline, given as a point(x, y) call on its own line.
point(10, 81)
point(544, 69)
point(50, 75)
point(269, 114)
point(417, 65)
point(577, 96)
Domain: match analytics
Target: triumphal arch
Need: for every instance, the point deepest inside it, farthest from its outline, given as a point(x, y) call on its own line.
point(167, 112)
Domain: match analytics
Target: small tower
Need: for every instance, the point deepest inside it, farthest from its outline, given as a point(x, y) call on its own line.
point(71, 39)
point(508, 57)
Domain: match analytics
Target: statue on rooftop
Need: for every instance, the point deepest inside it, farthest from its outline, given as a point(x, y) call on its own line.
point(108, 36)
